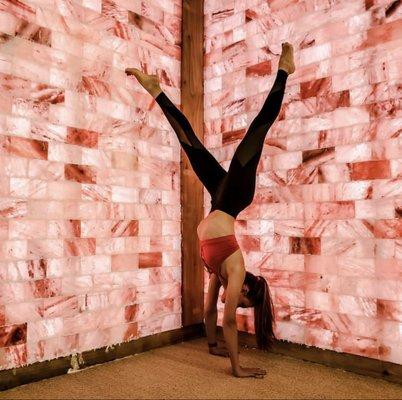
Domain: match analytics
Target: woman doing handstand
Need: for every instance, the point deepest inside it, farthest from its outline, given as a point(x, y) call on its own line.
point(231, 192)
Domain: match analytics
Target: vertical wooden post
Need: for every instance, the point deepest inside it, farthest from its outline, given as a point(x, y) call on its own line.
point(192, 105)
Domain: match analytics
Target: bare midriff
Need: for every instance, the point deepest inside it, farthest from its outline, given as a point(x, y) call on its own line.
point(217, 224)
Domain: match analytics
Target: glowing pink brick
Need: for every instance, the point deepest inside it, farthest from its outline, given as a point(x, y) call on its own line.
point(370, 170)
point(383, 33)
point(13, 356)
point(2, 316)
point(12, 335)
point(149, 260)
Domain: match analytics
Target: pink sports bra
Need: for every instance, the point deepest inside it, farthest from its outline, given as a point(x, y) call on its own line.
point(215, 250)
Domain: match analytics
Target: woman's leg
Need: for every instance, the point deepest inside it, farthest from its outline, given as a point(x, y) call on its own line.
point(252, 143)
point(204, 164)
point(239, 185)
point(239, 188)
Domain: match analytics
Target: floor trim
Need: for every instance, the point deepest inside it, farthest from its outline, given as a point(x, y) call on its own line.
point(46, 369)
point(347, 362)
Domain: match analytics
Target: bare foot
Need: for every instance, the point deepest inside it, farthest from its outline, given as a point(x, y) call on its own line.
point(149, 82)
point(286, 61)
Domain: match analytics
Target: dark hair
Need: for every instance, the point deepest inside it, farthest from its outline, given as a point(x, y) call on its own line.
point(264, 316)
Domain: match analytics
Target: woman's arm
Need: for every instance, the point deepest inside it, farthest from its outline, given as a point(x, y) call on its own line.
point(211, 312)
point(236, 274)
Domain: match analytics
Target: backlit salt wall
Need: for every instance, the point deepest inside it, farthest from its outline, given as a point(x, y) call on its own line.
point(89, 176)
point(323, 227)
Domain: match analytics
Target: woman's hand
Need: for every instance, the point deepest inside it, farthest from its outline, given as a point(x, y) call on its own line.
point(221, 350)
point(249, 372)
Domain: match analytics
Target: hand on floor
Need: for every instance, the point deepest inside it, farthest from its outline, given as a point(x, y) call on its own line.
point(221, 351)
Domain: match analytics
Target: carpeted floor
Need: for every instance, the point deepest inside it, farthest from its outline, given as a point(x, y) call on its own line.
point(187, 371)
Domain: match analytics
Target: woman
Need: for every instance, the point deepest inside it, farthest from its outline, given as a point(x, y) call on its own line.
point(231, 191)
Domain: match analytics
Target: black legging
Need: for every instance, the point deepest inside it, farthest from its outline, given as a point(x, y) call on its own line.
point(230, 191)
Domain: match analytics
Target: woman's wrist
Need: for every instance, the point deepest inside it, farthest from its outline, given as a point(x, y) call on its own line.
point(212, 347)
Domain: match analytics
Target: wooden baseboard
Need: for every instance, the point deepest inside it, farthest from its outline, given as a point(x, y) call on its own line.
point(347, 362)
point(59, 366)
point(47, 369)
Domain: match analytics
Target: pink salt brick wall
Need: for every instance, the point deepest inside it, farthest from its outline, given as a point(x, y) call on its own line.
point(324, 228)
point(89, 176)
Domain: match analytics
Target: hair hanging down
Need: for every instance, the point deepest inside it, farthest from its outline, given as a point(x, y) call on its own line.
point(264, 316)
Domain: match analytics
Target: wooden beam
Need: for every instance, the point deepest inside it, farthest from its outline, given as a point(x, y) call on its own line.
point(192, 105)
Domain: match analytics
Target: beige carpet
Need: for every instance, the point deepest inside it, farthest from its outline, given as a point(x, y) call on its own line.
point(187, 371)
